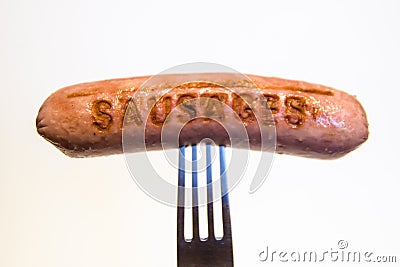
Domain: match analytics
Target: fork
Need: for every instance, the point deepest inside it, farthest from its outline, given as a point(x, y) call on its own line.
point(212, 251)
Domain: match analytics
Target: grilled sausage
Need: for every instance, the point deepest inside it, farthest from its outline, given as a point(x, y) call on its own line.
point(311, 120)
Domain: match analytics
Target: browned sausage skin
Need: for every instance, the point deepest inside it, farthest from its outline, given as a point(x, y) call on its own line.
point(311, 120)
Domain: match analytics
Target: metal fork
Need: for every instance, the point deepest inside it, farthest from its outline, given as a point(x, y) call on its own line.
point(212, 251)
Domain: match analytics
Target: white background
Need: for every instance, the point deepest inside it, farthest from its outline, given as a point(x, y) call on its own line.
point(57, 211)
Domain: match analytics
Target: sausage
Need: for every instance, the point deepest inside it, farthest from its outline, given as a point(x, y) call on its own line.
point(310, 120)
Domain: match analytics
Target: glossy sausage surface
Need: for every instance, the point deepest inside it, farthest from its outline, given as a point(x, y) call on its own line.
point(315, 121)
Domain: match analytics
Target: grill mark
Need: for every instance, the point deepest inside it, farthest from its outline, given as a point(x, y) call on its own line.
point(202, 84)
point(83, 93)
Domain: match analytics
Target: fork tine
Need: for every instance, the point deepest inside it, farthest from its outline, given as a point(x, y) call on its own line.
point(226, 219)
point(210, 210)
point(198, 252)
point(181, 193)
point(195, 208)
